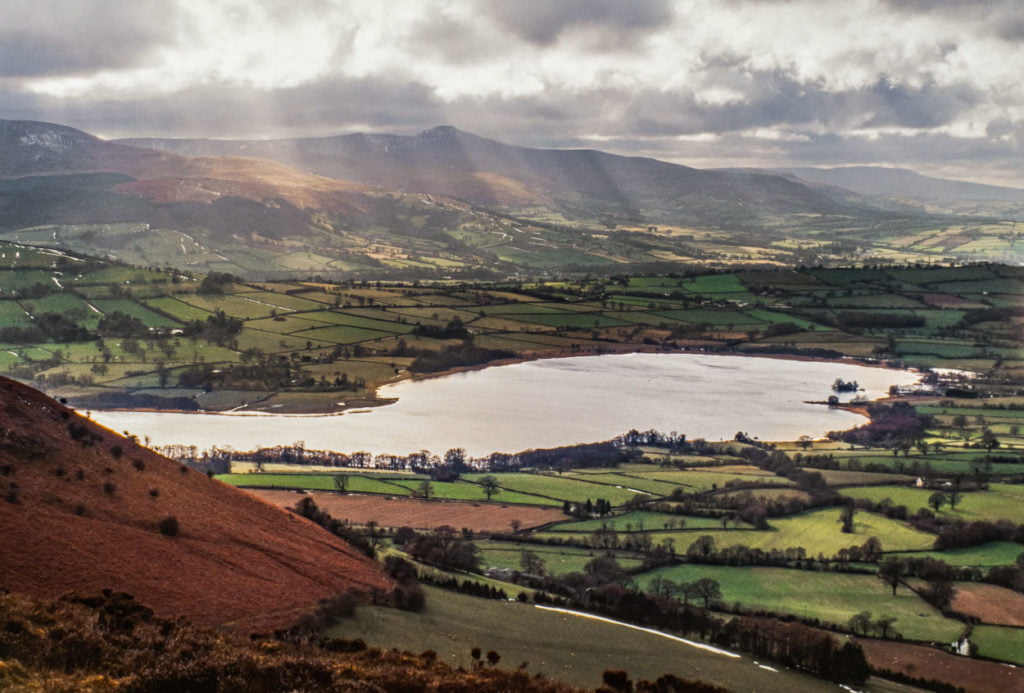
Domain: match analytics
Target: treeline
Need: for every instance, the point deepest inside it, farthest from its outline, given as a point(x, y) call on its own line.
point(446, 467)
point(360, 539)
point(896, 425)
point(453, 330)
point(457, 356)
point(891, 321)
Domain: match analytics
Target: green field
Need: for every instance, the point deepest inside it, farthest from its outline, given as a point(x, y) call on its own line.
point(999, 501)
point(816, 532)
point(558, 560)
point(639, 521)
point(314, 482)
point(559, 488)
point(1000, 642)
point(831, 597)
point(987, 555)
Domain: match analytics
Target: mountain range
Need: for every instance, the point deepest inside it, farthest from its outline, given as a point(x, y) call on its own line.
point(441, 202)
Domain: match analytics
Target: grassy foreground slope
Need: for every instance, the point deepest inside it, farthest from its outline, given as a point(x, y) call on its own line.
point(559, 646)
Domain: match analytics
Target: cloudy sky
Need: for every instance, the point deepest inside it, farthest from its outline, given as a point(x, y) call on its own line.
point(935, 85)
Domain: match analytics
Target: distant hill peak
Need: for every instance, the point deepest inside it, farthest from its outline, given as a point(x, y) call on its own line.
point(50, 136)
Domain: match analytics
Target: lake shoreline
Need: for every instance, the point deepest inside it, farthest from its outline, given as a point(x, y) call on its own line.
point(525, 357)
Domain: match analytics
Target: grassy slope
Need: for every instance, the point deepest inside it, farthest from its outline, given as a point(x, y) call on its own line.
point(559, 646)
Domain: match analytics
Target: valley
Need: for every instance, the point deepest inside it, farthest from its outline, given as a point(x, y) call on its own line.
point(287, 336)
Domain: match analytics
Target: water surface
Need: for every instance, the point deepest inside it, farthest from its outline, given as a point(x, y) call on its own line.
point(552, 402)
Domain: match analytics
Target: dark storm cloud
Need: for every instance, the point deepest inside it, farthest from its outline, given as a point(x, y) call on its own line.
point(776, 99)
point(56, 37)
point(543, 21)
point(220, 111)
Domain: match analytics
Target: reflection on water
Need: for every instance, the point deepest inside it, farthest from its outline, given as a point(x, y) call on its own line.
point(550, 403)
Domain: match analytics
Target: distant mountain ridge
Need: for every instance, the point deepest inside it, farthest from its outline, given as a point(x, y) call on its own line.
point(436, 204)
point(447, 161)
point(899, 182)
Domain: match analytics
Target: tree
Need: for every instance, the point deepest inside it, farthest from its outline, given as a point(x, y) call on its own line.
point(939, 593)
point(805, 441)
point(961, 425)
point(707, 589)
point(490, 485)
point(425, 490)
point(341, 482)
point(871, 549)
point(445, 548)
point(954, 494)
point(604, 569)
point(860, 623)
point(374, 534)
point(531, 563)
point(846, 517)
point(663, 586)
point(884, 625)
point(456, 459)
point(937, 500)
point(892, 571)
point(702, 548)
point(988, 441)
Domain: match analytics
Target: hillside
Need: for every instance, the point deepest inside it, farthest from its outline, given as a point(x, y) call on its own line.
point(579, 183)
point(444, 203)
point(83, 510)
point(899, 182)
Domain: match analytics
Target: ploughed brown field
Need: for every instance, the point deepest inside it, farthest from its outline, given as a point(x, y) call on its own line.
point(990, 604)
point(973, 675)
point(81, 507)
point(419, 514)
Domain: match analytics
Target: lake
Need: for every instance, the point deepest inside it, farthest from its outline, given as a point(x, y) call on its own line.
point(549, 403)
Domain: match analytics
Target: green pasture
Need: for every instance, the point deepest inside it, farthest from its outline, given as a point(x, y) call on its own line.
point(13, 315)
point(340, 334)
point(558, 488)
point(558, 560)
point(842, 477)
point(351, 320)
point(135, 310)
point(1000, 642)
point(694, 481)
point(817, 531)
point(1000, 501)
point(639, 521)
point(831, 597)
point(236, 306)
point(987, 555)
point(461, 490)
point(15, 280)
point(627, 482)
point(314, 482)
point(281, 300)
point(573, 320)
point(177, 309)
